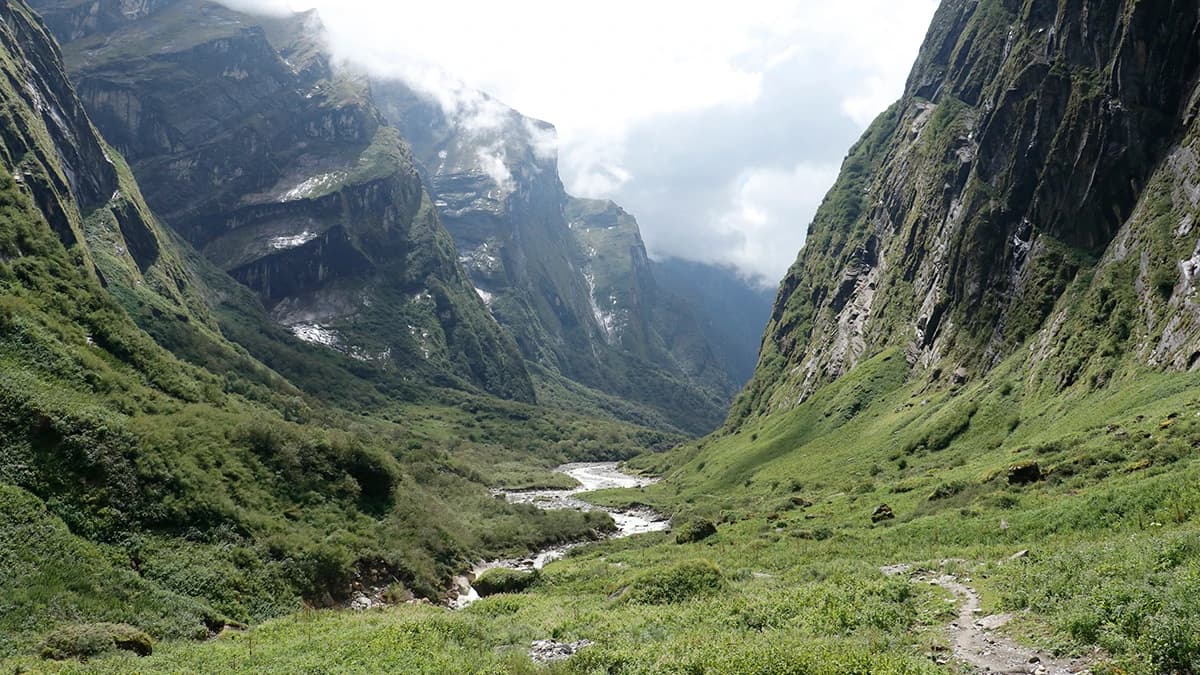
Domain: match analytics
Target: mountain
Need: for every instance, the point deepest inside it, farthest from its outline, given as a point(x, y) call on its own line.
point(284, 175)
point(1030, 191)
point(494, 177)
point(969, 443)
point(297, 179)
point(154, 471)
point(732, 310)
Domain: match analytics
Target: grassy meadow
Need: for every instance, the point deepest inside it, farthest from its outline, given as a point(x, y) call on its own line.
point(791, 580)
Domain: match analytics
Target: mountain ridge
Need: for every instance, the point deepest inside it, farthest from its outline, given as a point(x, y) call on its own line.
point(978, 200)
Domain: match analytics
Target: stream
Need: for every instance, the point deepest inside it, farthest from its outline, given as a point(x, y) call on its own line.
point(591, 476)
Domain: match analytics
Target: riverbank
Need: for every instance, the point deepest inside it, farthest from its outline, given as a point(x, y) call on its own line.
point(590, 476)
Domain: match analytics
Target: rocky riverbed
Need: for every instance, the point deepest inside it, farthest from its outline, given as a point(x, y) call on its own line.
point(591, 476)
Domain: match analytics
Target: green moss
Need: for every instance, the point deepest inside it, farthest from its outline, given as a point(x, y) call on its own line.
point(695, 530)
point(676, 583)
point(502, 580)
point(83, 641)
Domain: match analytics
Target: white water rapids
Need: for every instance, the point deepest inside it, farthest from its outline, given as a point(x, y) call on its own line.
point(591, 476)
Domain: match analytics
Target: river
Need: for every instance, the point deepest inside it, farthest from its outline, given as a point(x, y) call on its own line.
point(591, 476)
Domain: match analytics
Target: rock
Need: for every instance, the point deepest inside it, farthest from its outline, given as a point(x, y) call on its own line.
point(361, 603)
point(505, 580)
point(881, 513)
point(800, 502)
point(1019, 555)
point(1024, 473)
point(549, 651)
point(960, 376)
point(697, 530)
point(994, 621)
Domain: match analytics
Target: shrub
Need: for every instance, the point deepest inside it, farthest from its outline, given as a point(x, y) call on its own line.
point(90, 639)
point(947, 490)
point(678, 583)
point(502, 580)
point(694, 531)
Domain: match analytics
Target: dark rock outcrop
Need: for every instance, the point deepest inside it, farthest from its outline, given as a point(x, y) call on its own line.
point(881, 513)
point(284, 174)
point(1020, 190)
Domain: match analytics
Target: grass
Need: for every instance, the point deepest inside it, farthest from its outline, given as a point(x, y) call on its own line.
point(146, 495)
point(791, 580)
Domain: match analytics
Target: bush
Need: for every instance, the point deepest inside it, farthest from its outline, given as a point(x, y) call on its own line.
point(501, 580)
point(678, 583)
point(947, 490)
point(695, 530)
point(82, 641)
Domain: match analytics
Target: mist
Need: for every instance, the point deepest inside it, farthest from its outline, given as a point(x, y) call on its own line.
point(720, 127)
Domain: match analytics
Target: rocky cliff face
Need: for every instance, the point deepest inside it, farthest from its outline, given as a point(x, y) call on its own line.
point(731, 310)
point(1033, 187)
point(287, 177)
point(570, 278)
point(637, 314)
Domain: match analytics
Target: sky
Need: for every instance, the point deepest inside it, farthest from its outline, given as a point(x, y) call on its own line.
point(720, 126)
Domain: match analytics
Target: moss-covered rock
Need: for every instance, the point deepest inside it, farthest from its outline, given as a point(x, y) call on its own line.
point(694, 531)
point(81, 641)
point(677, 583)
point(502, 580)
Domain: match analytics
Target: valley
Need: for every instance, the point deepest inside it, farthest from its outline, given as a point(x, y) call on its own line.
point(305, 369)
point(591, 477)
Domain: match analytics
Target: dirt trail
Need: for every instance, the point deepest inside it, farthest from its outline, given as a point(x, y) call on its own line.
point(976, 642)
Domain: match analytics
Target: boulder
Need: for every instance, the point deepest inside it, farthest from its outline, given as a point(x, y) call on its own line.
point(881, 513)
point(549, 651)
point(696, 530)
point(1024, 473)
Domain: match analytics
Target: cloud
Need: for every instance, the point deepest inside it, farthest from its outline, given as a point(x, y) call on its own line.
point(493, 162)
point(683, 112)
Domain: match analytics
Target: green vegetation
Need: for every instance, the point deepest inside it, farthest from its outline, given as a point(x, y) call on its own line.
point(151, 499)
point(792, 577)
point(90, 640)
point(695, 530)
point(678, 583)
point(503, 580)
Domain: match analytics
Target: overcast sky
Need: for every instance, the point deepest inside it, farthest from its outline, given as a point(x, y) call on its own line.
point(719, 125)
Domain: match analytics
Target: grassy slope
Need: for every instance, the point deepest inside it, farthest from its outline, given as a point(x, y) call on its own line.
point(153, 472)
point(1112, 532)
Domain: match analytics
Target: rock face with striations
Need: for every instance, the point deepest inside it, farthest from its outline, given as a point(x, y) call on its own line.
point(284, 174)
point(1037, 177)
point(569, 277)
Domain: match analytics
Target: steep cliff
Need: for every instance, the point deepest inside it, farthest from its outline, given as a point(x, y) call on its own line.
point(637, 315)
point(570, 278)
point(285, 176)
point(1034, 186)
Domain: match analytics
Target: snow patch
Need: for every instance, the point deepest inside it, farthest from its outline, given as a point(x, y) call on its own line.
point(606, 320)
point(421, 335)
point(313, 185)
point(485, 296)
point(294, 241)
point(315, 333)
point(482, 259)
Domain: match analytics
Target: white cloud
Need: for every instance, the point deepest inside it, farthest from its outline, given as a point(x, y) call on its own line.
point(492, 160)
point(758, 231)
point(605, 73)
